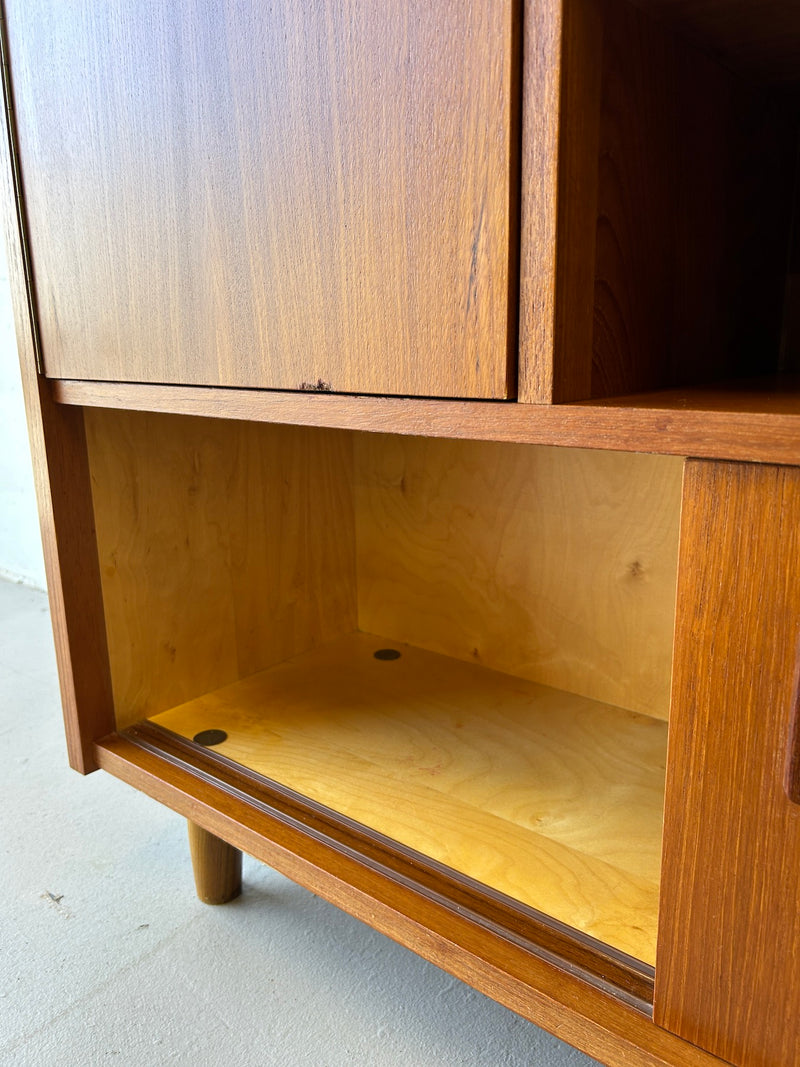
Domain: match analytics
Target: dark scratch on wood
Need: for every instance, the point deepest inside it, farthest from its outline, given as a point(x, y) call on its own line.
point(472, 287)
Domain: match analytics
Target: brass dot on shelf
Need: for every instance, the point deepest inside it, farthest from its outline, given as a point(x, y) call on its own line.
point(387, 653)
point(210, 737)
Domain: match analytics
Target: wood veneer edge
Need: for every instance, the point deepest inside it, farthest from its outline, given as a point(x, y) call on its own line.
point(578, 181)
point(561, 90)
point(672, 426)
point(515, 157)
point(541, 96)
point(569, 1008)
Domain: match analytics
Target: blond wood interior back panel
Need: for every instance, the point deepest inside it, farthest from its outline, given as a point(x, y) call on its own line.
point(557, 565)
point(293, 195)
point(550, 798)
point(224, 547)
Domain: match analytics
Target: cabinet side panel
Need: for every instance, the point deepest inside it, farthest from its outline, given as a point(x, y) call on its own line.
point(224, 548)
point(285, 195)
point(61, 475)
point(557, 565)
point(728, 965)
point(63, 491)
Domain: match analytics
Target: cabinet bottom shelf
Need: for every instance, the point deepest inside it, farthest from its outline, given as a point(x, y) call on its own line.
point(548, 798)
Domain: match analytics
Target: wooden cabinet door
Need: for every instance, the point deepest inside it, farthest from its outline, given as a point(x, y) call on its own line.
point(728, 963)
point(295, 195)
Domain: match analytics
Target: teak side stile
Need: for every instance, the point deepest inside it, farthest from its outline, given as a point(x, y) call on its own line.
point(63, 493)
point(728, 969)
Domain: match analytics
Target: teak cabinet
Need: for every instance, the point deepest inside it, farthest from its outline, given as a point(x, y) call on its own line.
point(412, 392)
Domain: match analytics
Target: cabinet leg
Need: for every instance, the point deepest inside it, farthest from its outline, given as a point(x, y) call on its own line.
point(217, 866)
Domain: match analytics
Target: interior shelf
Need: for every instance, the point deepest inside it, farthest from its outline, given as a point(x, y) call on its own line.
point(552, 799)
point(760, 423)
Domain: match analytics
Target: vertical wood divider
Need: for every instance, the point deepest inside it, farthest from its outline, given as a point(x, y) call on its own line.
point(560, 143)
point(727, 967)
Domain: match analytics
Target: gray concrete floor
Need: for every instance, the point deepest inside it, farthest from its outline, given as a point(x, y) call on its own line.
point(106, 956)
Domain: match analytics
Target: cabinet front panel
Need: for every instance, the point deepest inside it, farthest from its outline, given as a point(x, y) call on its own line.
point(287, 195)
point(728, 962)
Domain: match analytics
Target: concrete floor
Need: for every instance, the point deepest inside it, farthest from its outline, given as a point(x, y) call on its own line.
point(106, 956)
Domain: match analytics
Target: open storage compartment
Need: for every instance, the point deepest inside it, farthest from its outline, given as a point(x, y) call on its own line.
point(676, 200)
point(463, 647)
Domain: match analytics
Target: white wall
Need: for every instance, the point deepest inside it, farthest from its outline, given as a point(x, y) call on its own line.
point(20, 544)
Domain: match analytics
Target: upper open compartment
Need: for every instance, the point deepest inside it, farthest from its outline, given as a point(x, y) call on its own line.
point(675, 201)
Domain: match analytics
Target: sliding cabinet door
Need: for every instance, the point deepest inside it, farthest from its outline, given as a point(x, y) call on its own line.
point(313, 195)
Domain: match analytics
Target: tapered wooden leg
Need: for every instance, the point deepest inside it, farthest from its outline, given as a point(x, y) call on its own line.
point(217, 866)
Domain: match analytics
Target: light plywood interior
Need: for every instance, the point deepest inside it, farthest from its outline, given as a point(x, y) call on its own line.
point(557, 565)
point(240, 562)
point(552, 799)
point(224, 547)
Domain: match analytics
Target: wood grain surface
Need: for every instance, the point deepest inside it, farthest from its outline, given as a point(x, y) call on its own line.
point(728, 969)
point(792, 776)
point(551, 799)
point(758, 424)
point(556, 565)
point(228, 546)
point(588, 1018)
point(600, 965)
point(63, 492)
point(217, 866)
point(300, 196)
point(224, 547)
point(560, 136)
